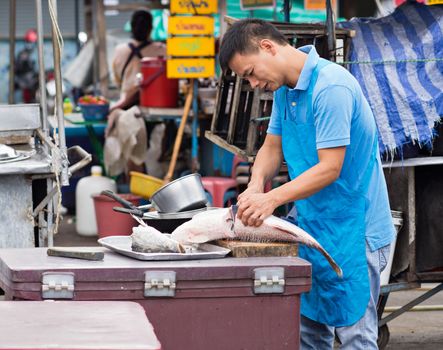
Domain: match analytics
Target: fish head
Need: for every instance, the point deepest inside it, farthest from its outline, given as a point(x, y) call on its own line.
point(204, 227)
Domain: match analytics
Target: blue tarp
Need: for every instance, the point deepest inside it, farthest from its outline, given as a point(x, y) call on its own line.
point(398, 61)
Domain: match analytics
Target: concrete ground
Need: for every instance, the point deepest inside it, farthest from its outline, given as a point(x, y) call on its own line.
point(421, 330)
point(416, 330)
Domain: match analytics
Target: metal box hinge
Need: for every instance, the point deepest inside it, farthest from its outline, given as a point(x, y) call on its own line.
point(269, 280)
point(159, 284)
point(57, 285)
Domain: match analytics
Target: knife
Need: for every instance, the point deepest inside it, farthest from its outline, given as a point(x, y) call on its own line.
point(234, 210)
point(85, 253)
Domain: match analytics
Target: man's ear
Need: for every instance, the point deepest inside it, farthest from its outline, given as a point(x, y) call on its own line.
point(268, 46)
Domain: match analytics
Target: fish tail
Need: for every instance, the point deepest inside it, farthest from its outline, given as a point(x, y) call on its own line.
point(331, 261)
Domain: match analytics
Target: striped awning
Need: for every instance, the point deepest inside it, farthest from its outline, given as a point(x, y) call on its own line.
point(398, 61)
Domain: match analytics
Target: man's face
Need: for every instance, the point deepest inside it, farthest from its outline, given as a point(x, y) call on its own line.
point(261, 69)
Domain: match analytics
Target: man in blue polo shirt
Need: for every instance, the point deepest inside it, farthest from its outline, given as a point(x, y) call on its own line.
point(323, 127)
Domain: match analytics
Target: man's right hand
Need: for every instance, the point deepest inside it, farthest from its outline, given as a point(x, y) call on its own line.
point(252, 189)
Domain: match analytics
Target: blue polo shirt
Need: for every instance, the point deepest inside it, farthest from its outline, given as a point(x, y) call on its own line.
point(342, 117)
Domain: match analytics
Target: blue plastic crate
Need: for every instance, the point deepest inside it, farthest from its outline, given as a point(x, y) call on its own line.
point(94, 112)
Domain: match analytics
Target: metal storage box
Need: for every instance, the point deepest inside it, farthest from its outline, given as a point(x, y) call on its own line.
point(230, 303)
point(86, 325)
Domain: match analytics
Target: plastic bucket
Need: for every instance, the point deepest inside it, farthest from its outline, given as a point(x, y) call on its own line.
point(110, 222)
point(144, 185)
point(397, 219)
point(156, 89)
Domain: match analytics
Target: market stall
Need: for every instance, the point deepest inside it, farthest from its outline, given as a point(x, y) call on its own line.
point(396, 60)
point(215, 304)
point(34, 166)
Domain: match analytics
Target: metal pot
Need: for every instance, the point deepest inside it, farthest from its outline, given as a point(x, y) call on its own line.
point(183, 194)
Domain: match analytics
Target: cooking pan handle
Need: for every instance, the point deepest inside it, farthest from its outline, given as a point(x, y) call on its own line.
point(119, 199)
point(135, 212)
point(145, 207)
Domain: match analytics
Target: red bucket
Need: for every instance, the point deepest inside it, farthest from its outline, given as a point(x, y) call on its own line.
point(156, 90)
point(110, 222)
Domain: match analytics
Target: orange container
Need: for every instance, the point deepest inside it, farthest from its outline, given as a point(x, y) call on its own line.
point(110, 222)
point(156, 90)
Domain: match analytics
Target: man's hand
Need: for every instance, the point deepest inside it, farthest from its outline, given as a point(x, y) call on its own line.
point(251, 190)
point(253, 208)
point(254, 205)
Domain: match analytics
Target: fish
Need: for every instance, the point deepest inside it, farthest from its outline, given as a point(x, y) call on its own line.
point(222, 223)
point(147, 239)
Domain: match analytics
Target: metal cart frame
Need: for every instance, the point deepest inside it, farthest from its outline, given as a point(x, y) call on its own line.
point(53, 163)
point(413, 278)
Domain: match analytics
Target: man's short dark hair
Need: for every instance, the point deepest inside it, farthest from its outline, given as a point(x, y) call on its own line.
point(141, 25)
point(243, 38)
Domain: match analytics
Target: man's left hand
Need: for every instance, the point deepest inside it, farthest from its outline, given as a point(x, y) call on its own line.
point(255, 207)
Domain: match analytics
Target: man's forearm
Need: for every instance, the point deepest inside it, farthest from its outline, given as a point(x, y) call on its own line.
point(267, 164)
point(313, 179)
point(303, 186)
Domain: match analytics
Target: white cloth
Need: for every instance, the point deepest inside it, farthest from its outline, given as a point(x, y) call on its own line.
point(126, 141)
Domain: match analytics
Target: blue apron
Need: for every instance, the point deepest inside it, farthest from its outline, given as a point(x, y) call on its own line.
point(335, 216)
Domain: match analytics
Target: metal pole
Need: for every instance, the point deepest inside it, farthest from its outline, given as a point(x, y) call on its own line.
point(412, 229)
point(103, 74)
point(12, 17)
point(286, 10)
point(411, 304)
point(45, 227)
point(59, 100)
point(77, 24)
point(41, 66)
point(194, 149)
point(330, 26)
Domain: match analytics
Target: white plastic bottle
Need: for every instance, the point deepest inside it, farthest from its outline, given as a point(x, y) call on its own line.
point(86, 224)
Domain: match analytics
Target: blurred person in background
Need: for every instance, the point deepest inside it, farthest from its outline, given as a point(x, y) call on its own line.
point(127, 150)
point(25, 71)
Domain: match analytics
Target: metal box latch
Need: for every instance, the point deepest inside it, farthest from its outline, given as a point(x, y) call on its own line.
point(57, 285)
point(269, 280)
point(159, 284)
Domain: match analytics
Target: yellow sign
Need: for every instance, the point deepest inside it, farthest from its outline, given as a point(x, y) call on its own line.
point(190, 67)
point(319, 5)
point(434, 2)
point(195, 25)
point(194, 7)
point(256, 4)
point(190, 46)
